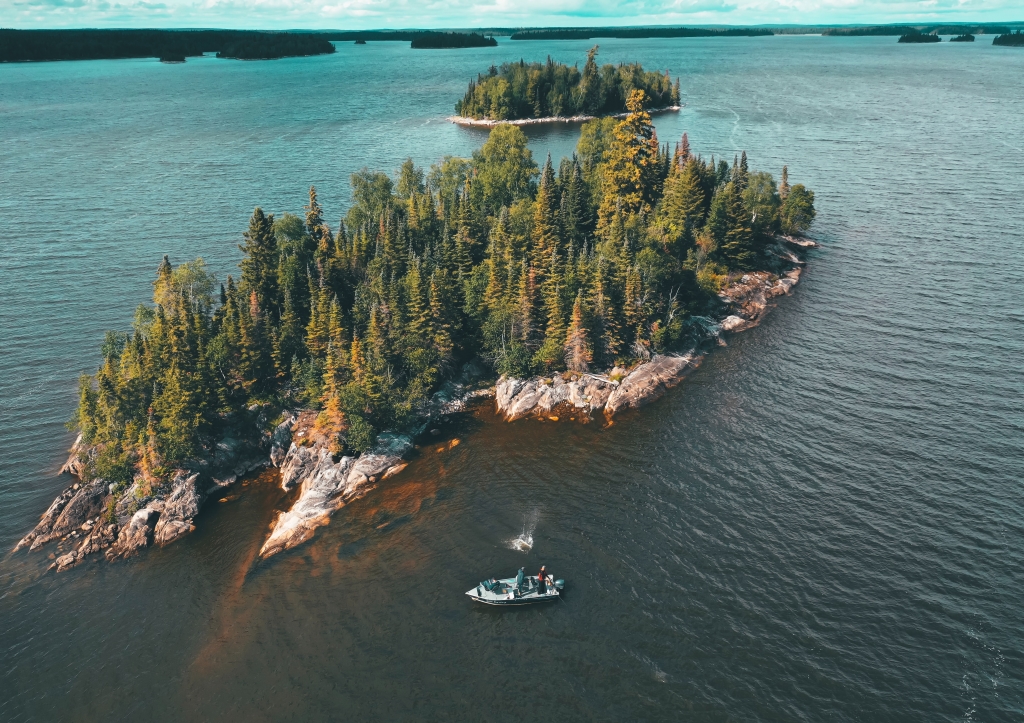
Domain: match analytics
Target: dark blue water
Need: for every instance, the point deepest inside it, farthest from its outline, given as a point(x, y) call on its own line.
point(823, 524)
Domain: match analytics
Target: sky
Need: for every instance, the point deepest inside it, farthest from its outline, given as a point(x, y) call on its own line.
point(364, 14)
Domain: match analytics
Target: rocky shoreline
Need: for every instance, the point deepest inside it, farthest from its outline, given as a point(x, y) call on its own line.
point(488, 123)
point(90, 517)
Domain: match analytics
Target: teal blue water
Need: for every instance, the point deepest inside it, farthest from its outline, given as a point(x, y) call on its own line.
point(823, 524)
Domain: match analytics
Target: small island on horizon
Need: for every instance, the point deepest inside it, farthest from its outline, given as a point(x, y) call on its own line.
point(585, 290)
point(917, 37)
point(437, 41)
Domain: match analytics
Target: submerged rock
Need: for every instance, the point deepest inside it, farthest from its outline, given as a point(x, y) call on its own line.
point(326, 486)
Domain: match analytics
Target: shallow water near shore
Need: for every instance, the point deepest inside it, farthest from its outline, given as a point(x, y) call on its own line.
point(823, 522)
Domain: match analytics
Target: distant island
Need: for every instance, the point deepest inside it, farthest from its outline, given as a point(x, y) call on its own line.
point(1010, 39)
point(656, 32)
point(453, 40)
point(965, 38)
point(916, 37)
point(521, 91)
point(168, 45)
point(591, 287)
point(895, 30)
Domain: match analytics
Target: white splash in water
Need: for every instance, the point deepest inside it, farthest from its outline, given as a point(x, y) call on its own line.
point(524, 543)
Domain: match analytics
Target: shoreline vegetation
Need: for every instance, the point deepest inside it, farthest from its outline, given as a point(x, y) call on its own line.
point(1015, 40)
point(436, 41)
point(336, 347)
point(488, 123)
point(916, 37)
point(541, 91)
point(49, 45)
point(649, 32)
point(896, 30)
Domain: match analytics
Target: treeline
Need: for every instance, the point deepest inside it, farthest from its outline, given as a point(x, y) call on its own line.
point(916, 37)
point(452, 40)
point(268, 46)
point(656, 32)
point(23, 45)
point(894, 30)
point(531, 270)
point(539, 90)
point(1012, 39)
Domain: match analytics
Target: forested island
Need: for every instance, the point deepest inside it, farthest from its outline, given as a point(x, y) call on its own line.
point(965, 38)
point(612, 260)
point(518, 91)
point(655, 32)
point(916, 37)
point(27, 45)
point(452, 40)
point(896, 30)
point(1010, 39)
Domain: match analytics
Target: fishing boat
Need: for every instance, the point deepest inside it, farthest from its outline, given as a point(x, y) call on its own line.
point(519, 590)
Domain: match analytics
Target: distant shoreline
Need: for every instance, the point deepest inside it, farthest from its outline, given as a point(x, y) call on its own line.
point(488, 123)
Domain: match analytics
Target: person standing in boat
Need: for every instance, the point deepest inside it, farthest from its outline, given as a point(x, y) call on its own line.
point(542, 579)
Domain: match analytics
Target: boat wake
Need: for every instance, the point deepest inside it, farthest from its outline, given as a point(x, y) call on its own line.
point(524, 542)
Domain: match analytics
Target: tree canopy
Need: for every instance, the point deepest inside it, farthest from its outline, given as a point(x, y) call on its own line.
point(539, 90)
point(600, 260)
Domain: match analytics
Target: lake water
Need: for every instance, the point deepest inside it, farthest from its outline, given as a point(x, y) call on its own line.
point(824, 523)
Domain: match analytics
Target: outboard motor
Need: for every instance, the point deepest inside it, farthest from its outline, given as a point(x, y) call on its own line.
point(560, 584)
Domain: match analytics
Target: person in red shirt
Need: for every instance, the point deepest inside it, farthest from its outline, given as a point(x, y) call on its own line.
point(542, 577)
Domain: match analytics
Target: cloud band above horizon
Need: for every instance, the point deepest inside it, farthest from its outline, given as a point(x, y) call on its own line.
point(366, 14)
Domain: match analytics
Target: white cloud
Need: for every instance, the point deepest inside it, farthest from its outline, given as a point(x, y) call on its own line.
point(354, 14)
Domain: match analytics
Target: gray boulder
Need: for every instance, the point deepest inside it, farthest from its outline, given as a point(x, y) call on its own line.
point(138, 533)
point(326, 486)
point(650, 381)
point(179, 509)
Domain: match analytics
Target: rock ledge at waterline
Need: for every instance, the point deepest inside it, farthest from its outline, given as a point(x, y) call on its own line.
point(84, 520)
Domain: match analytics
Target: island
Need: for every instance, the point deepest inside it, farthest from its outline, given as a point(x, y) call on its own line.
point(168, 45)
point(916, 37)
point(543, 92)
point(893, 30)
point(965, 38)
point(1010, 39)
point(574, 292)
point(452, 40)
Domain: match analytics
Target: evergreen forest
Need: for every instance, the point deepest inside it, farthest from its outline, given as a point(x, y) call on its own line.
point(517, 91)
point(604, 260)
point(24, 45)
point(452, 40)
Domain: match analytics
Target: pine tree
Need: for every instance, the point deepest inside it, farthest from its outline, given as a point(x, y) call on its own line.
point(578, 353)
point(546, 238)
point(259, 267)
point(783, 184)
point(683, 206)
point(525, 305)
point(606, 317)
point(630, 182)
point(316, 227)
point(551, 351)
point(737, 243)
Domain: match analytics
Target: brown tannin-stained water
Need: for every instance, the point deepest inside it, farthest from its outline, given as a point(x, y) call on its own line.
point(824, 522)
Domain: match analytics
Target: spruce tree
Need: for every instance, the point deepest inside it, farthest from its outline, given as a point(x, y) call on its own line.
point(546, 237)
point(578, 353)
point(630, 182)
point(259, 267)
